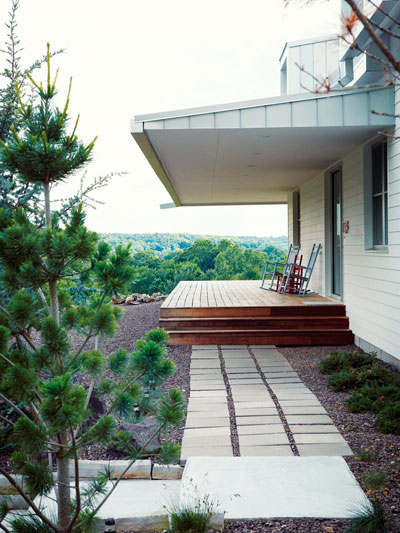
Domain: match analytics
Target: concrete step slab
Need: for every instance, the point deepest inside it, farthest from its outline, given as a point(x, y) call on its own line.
point(293, 403)
point(206, 441)
point(314, 428)
point(256, 420)
point(304, 410)
point(262, 429)
point(197, 386)
point(265, 451)
point(308, 419)
point(329, 449)
point(209, 451)
point(280, 375)
point(263, 439)
point(204, 347)
point(251, 405)
point(200, 432)
point(284, 395)
point(208, 394)
point(232, 347)
point(244, 381)
point(207, 401)
point(208, 378)
point(319, 438)
point(195, 422)
point(251, 396)
point(202, 371)
point(272, 381)
point(254, 411)
point(233, 371)
point(205, 363)
point(210, 412)
point(243, 375)
point(275, 487)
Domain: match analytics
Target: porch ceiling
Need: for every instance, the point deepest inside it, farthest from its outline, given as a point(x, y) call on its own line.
point(256, 152)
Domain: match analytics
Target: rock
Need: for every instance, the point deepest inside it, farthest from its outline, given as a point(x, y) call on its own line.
point(117, 299)
point(135, 303)
point(129, 299)
point(89, 469)
point(141, 433)
point(167, 472)
point(151, 299)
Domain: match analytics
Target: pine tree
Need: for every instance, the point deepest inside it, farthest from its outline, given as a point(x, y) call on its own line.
point(40, 378)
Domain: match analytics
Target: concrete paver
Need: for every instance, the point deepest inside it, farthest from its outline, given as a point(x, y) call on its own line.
point(315, 450)
point(308, 419)
point(261, 429)
point(209, 451)
point(315, 428)
point(318, 438)
point(264, 439)
point(270, 487)
point(304, 410)
point(251, 420)
point(195, 422)
point(208, 394)
point(206, 440)
point(201, 432)
point(262, 451)
point(254, 411)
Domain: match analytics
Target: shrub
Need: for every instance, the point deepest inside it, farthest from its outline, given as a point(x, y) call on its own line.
point(370, 519)
point(335, 362)
point(345, 380)
point(388, 420)
point(372, 398)
point(343, 360)
point(374, 480)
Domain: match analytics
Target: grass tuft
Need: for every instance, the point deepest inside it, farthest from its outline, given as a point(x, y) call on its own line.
point(370, 518)
point(374, 480)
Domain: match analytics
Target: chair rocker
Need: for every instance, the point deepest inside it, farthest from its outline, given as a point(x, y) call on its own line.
point(296, 277)
point(276, 269)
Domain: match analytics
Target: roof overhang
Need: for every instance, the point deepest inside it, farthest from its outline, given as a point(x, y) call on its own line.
point(255, 152)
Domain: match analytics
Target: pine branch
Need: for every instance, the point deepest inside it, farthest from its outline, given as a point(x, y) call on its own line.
point(28, 500)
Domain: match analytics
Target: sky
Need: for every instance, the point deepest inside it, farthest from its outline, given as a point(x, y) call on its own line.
point(130, 57)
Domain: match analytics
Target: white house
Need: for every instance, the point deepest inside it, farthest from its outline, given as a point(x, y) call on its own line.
point(333, 158)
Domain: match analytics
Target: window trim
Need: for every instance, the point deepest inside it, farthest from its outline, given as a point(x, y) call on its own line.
point(369, 244)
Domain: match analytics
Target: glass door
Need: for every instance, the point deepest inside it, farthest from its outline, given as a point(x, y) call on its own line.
point(336, 225)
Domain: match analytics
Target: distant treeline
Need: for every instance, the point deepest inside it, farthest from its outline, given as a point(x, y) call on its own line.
point(169, 242)
point(219, 259)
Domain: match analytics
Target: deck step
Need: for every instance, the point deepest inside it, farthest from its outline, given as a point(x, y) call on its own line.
point(304, 310)
point(253, 323)
point(280, 337)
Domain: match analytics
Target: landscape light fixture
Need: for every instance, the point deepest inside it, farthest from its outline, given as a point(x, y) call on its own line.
point(109, 525)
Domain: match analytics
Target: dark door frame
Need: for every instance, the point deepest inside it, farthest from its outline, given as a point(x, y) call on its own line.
point(329, 232)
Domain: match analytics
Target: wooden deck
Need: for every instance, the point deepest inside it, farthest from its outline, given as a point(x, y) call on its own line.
point(239, 312)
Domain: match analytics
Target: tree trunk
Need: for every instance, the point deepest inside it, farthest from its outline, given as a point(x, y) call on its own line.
point(63, 478)
point(63, 489)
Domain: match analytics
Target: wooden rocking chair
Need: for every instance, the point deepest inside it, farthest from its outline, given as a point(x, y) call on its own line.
point(273, 269)
point(296, 278)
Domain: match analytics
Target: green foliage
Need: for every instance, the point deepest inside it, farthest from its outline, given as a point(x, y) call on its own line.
point(201, 259)
point(372, 398)
point(343, 360)
point(369, 519)
point(388, 420)
point(347, 380)
point(374, 480)
point(159, 335)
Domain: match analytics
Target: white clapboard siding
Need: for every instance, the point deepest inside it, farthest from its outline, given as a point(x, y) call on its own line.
point(371, 278)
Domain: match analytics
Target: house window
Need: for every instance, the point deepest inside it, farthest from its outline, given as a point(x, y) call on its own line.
point(376, 196)
point(296, 218)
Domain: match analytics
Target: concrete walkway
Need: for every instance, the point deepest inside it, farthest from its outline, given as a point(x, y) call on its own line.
point(274, 412)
